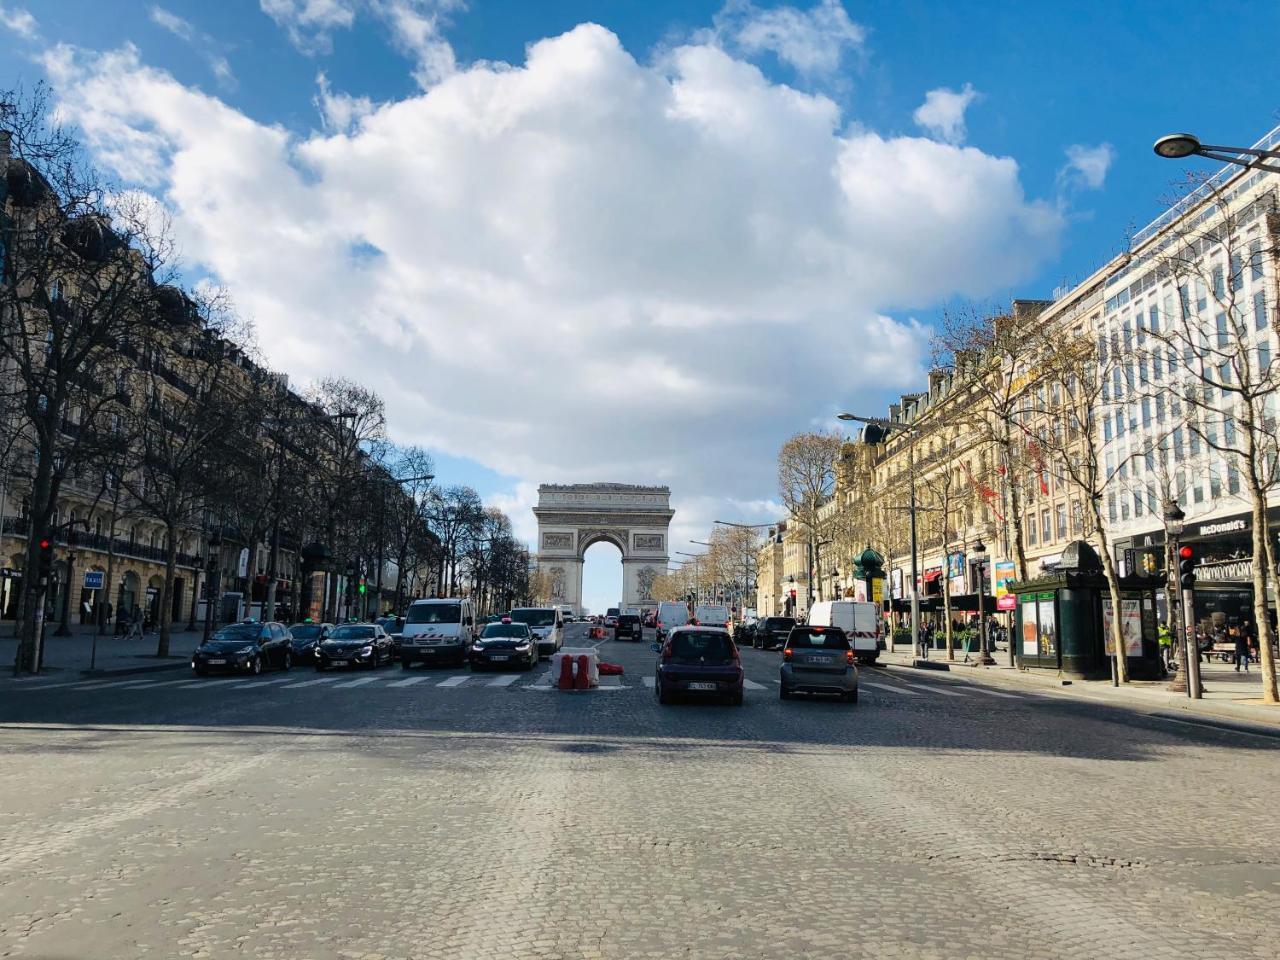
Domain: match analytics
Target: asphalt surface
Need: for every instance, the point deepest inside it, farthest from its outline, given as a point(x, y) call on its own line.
point(435, 813)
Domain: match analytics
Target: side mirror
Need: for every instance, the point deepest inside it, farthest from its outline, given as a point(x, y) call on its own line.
point(655, 647)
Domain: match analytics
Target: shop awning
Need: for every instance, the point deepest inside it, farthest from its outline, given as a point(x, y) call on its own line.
point(968, 603)
point(932, 575)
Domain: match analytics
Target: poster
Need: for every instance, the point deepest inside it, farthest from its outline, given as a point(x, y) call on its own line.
point(877, 590)
point(1048, 632)
point(1030, 629)
point(1130, 626)
point(1003, 577)
point(897, 582)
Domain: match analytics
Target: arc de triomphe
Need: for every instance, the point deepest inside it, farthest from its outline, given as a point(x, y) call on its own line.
point(635, 519)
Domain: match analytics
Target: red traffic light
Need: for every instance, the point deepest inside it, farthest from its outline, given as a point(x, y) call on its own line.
point(1186, 553)
point(46, 544)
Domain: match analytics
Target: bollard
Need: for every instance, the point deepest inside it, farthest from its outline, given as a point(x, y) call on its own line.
point(583, 680)
point(566, 673)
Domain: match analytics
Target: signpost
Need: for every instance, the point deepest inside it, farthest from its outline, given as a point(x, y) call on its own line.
point(93, 579)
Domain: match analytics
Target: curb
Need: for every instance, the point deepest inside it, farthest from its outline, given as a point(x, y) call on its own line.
point(126, 671)
point(931, 665)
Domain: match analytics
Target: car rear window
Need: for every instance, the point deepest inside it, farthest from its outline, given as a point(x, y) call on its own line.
point(628, 618)
point(701, 646)
point(779, 623)
point(829, 638)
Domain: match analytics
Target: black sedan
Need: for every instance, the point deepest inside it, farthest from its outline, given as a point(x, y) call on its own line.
point(306, 637)
point(248, 647)
point(355, 645)
point(505, 644)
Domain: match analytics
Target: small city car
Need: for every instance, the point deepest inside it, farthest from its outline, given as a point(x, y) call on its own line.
point(355, 645)
point(306, 636)
point(505, 644)
point(818, 660)
point(248, 647)
point(698, 661)
point(628, 628)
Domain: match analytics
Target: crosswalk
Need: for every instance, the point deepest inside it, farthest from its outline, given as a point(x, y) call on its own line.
point(875, 684)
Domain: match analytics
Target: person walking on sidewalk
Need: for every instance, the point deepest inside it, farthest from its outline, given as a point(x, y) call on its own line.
point(1241, 648)
point(135, 624)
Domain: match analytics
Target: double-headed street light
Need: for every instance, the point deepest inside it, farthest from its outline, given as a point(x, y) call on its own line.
point(1179, 146)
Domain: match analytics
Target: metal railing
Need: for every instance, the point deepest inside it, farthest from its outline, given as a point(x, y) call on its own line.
point(78, 540)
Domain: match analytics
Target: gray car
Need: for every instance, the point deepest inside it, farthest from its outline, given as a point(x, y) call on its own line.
point(818, 660)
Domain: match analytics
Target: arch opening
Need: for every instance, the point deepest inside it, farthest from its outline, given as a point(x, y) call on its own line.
point(601, 576)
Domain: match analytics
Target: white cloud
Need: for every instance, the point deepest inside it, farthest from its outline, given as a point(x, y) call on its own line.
point(309, 23)
point(812, 42)
point(185, 31)
point(339, 111)
point(943, 110)
point(581, 267)
point(1087, 166)
point(20, 21)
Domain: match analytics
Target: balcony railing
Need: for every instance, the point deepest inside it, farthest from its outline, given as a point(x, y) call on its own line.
point(79, 540)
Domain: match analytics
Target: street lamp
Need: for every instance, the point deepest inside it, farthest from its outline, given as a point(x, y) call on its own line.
point(883, 427)
point(211, 578)
point(1179, 146)
point(984, 656)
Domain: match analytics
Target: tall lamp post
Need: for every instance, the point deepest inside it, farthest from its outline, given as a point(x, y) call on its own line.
point(984, 654)
point(1179, 146)
point(884, 427)
point(213, 569)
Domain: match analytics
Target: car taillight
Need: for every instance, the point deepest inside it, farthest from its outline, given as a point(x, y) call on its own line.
point(786, 653)
point(848, 656)
point(736, 656)
point(666, 651)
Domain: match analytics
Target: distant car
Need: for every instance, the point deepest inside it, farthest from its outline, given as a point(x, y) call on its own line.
point(772, 632)
point(649, 619)
point(305, 637)
point(698, 661)
point(354, 645)
point(744, 633)
point(248, 647)
point(628, 628)
point(818, 660)
point(505, 644)
point(610, 621)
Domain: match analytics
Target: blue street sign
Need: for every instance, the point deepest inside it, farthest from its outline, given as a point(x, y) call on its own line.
point(93, 579)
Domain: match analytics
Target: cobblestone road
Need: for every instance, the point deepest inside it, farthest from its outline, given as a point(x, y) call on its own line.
point(415, 815)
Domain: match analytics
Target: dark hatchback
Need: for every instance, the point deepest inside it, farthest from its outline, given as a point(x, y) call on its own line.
point(503, 645)
point(306, 636)
point(772, 632)
point(248, 647)
point(818, 660)
point(698, 661)
point(628, 628)
point(354, 645)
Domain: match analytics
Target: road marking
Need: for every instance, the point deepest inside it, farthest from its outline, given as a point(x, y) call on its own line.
point(503, 681)
point(109, 683)
point(888, 688)
point(454, 681)
point(997, 693)
point(310, 683)
point(934, 688)
point(202, 682)
point(408, 683)
point(248, 684)
point(752, 685)
point(1212, 726)
point(139, 685)
point(649, 682)
point(355, 683)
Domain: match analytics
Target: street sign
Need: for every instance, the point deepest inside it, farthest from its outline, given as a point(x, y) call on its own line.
point(242, 568)
point(93, 579)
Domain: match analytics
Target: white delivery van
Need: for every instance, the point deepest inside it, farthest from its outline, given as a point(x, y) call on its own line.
point(859, 620)
point(670, 616)
point(711, 615)
point(437, 631)
point(545, 623)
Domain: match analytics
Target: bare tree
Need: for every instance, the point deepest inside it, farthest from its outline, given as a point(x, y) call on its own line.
point(806, 480)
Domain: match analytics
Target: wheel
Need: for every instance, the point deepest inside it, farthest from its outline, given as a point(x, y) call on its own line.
point(736, 699)
point(405, 664)
point(663, 696)
point(784, 693)
point(288, 660)
point(256, 669)
point(202, 671)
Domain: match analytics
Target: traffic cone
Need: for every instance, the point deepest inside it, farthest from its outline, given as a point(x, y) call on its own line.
point(583, 680)
point(566, 673)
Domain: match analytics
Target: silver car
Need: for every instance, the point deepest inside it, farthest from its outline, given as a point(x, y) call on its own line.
point(818, 660)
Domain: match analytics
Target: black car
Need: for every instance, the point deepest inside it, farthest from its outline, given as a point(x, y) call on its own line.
point(306, 636)
point(394, 626)
point(249, 647)
point(505, 644)
point(772, 632)
point(354, 645)
point(628, 628)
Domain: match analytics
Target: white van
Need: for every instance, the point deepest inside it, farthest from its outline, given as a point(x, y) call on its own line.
point(670, 616)
point(545, 623)
point(711, 615)
point(859, 620)
point(437, 631)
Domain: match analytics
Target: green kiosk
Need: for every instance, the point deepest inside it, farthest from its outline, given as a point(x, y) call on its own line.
point(1062, 621)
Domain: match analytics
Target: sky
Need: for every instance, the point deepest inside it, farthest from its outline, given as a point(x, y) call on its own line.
point(638, 241)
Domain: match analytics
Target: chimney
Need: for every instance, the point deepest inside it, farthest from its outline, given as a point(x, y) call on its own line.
point(936, 379)
point(895, 411)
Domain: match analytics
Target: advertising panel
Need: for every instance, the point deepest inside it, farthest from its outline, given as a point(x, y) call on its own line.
point(1003, 576)
point(1130, 626)
point(1030, 629)
point(877, 590)
point(897, 583)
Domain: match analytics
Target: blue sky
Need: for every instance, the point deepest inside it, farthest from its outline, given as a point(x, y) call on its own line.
point(1036, 83)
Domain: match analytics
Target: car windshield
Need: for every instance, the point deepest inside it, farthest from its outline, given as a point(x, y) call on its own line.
point(701, 646)
point(534, 618)
point(352, 633)
point(505, 630)
point(305, 631)
point(831, 638)
point(435, 613)
point(779, 623)
point(239, 631)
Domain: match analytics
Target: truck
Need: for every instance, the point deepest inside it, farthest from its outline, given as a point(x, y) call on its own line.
point(712, 614)
point(860, 622)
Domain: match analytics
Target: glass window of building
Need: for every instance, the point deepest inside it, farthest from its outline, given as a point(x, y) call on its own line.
point(1219, 282)
point(1255, 259)
point(1233, 478)
point(1031, 530)
point(1259, 311)
point(1221, 321)
point(1060, 520)
point(1046, 528)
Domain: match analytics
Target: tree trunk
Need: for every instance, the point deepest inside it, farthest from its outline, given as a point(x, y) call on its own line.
point(166, 589)
point(1117, 609)
point(1261, 567)
point(946, 607)
point(41, 512)
point(108, 586)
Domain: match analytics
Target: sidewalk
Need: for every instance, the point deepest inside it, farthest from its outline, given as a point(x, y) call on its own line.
point(67, 656)
point(1228, 695)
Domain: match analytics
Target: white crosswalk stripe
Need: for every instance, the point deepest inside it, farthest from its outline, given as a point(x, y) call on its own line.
point(649, 682)
point(408, 682)
point(752, 685)
point(108, 684)
point(503, 681)
point(253, 684)
point(355, 683)
point(887, 688)
point(310, 683)
point(454, 681)
point(935, 688)
point(997, 693)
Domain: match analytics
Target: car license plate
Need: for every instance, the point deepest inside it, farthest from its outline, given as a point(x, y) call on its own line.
point(702, 686)
point(216, 662)
point(337, 663)
point(499, 656)
point(816, 660)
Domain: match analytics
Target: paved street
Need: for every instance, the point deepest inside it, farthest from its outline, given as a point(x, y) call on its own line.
point(439, 814)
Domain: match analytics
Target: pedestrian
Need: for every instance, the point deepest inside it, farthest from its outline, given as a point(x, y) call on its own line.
point(135, 624)
point(1241, 648)
point(1165, 637)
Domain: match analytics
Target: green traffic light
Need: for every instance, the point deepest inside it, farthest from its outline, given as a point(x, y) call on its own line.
point(362, 588)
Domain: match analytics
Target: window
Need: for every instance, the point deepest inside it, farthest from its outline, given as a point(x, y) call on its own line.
point(1153, 319)
point(1031, 530)
point(1221, 321)
point(1111, 506)
point(1160, 408)
point(1255, 259)
point(1077, 518)
point(1219, 282)
point(1237, 272)
point(1124, 508)
point(1046, 528)
point(1215, 481)
point(1264, 357)
point(1259, 311)
point(1233, 478)
point(1137, 503)
point(1146, 411)
point(1060, 517)
point(1202, 297)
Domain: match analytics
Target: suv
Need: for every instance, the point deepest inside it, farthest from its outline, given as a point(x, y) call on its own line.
point(245, 647)
point(818, 660)
point(772, 632)
point(628, 627)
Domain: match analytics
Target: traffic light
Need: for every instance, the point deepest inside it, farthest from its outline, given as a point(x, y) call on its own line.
point(362, 587)
point(44, 566)
point(1187, 567)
